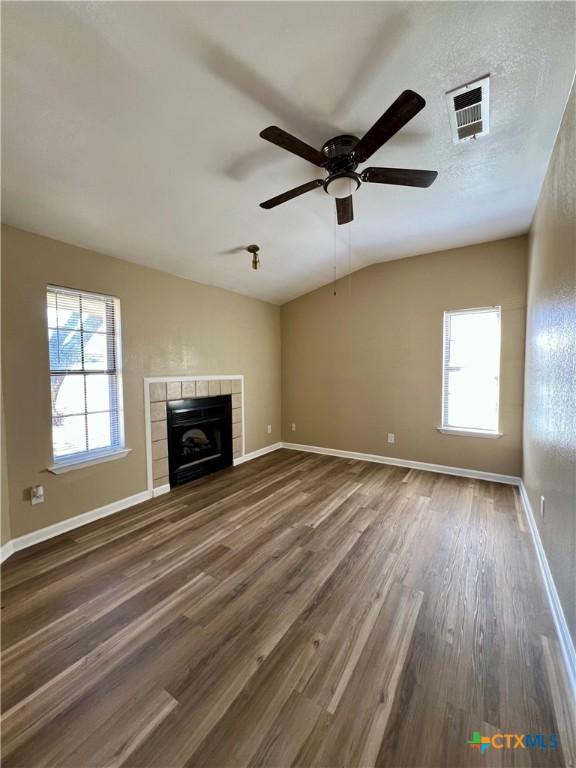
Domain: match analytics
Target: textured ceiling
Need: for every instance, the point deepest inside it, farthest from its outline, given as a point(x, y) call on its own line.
point(132, 128)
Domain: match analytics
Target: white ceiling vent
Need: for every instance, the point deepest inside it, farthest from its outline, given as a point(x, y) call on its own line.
point(469, 110)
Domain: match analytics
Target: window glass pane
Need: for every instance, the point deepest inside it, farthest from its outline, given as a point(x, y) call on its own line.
point(65, 350)
point(93, 314)
point(86, 407)
point(53, 349)
point(99, 430)
point(471, 369)
point(51, 310)
point(68, 314)
point(69, 435)
point(472, 400)
point(98, 391)
point(67, 395)
point(472, 339)
point(96, 351)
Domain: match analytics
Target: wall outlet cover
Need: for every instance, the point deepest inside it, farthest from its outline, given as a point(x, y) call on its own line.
point(37, 494)
point(293, 427)
point(269, 429)
point(391, 437)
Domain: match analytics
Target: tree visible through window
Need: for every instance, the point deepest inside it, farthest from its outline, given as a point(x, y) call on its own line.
point(471, 377)
point(84, 349)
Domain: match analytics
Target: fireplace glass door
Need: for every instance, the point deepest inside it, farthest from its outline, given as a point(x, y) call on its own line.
point(199, 437)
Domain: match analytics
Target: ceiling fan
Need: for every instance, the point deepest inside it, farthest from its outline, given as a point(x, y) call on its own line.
point(341, 156)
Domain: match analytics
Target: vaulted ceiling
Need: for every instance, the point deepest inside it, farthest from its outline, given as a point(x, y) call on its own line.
point(132, 128)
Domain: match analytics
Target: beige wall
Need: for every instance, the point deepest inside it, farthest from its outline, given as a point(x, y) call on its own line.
point(550, 385)
point(368, 361)
point(5, 534)
point(170, 326)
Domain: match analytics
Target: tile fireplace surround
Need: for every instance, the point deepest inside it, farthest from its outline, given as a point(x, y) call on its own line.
point(158, 390)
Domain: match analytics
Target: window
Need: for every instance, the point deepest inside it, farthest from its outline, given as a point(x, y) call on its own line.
point(471, 376)
point(84, 349)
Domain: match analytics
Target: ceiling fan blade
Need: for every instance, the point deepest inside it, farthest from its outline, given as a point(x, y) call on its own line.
point(406, 177)
point(286, 141)
point(344, 209)
point(406, 106)
point(285, 196)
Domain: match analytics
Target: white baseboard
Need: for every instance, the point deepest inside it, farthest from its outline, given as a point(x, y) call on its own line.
point(161, 490)
point(6, 550)
point(29, 539)
point(256, 454)
point(564, 636)
point(459, 471)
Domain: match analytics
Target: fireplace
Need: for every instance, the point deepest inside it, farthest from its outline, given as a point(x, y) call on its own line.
point(199, 437)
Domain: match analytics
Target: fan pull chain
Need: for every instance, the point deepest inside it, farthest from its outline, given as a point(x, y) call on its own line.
point(335, 244)
point(350, 248)
point(350, 259)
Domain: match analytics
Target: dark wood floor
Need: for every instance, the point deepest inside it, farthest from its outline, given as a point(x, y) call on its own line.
point(297, 610)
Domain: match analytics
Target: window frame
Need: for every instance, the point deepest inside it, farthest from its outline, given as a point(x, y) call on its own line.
point(118, 449)
point(449, 429)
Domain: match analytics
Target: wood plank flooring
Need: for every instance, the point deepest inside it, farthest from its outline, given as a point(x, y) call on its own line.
point(298, 610)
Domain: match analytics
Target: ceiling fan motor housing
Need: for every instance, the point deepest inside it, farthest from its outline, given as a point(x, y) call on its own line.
point(341, 165)
point(339, 153)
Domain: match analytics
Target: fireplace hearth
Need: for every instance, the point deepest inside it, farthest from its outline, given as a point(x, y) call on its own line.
point(199, 437)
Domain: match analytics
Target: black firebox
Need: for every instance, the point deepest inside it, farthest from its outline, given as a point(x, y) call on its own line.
point(199, 437)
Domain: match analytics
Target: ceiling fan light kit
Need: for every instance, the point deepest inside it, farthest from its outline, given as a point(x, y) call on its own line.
point(341, 156)
point(341, 184)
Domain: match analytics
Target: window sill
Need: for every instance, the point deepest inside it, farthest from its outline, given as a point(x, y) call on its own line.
point(469, 432)
point(85, 461)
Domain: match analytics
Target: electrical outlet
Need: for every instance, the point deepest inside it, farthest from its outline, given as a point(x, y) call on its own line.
point(293, 427)
point(542, 506)
point(391, 437)
point(269, 429)
point(37, 494)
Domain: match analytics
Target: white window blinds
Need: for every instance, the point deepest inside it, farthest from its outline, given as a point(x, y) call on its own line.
point(84, 349)
point(471, 375)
